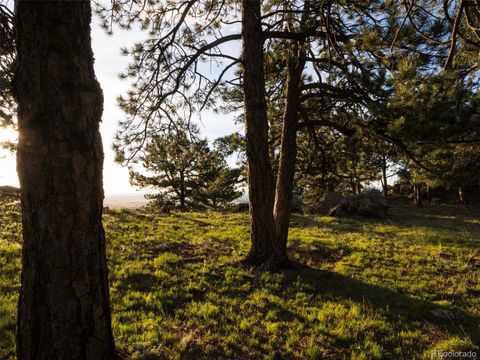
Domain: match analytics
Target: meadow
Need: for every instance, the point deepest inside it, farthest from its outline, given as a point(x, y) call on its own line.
point(399, 288)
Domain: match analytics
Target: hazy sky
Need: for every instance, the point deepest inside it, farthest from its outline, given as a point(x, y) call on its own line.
point(108, 64)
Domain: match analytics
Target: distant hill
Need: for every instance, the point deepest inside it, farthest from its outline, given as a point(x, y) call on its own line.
point(130, 201)
point(9, 191)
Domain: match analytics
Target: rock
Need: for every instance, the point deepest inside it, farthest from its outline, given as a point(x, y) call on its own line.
point(372, 210)
point(330, 204)
point(370, 204)
point(240, 207)
point(340, 210)
point(297, 204)
point(442, 314)
point(376, 197)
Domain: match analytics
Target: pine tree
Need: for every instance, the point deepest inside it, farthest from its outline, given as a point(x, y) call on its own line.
point(185, 171)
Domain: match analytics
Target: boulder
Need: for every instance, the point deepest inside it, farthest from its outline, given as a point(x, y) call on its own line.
point(240, 207)
point(369, 204)
point(372, 210)
point(341, 210)
point(330, 204)
point(297, 205)
point(442, 314)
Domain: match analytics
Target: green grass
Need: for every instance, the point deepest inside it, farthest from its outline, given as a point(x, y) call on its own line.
point(365, 291)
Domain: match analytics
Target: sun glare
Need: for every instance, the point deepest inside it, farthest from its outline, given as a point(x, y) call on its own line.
point(8, 170)
point(8, 134)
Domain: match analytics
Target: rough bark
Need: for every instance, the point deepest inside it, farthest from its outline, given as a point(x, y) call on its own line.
point(264, 249)
point(288, 147)
point(63, 310)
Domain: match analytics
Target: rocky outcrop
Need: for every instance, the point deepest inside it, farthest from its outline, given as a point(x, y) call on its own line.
point(369, 204)
point(328, 204)
point(240, 207)
point(297, 204)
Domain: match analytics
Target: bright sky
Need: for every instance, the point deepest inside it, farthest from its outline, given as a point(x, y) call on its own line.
point(108, 64)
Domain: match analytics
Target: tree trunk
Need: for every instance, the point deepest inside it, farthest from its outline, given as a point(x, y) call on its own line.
point(384, 177)
point(63, 310)
point(288, 149)
point(353, 185)
point(264, 249)
point(461, 195)
point(417, 195)
point(182, 191)
point(359, 185)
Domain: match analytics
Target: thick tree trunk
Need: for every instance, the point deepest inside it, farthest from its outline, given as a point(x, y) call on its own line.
point(63, 308)
point(264, 249)
point(288, 148)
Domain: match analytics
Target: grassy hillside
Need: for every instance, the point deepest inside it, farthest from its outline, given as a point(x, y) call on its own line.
point(396, 289)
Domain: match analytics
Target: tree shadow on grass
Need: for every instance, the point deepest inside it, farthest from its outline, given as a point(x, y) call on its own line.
point(189, 217)
point(447, 218)
point(440, 218)
point(445, 232)
point(126, 215)
point(464, 232)
point(408, 312)
point(141, 282)
point(401, 307)
point(335, 224)
point(317, 253)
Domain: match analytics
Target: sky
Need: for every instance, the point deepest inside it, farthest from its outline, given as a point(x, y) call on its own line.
point(108, 64)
